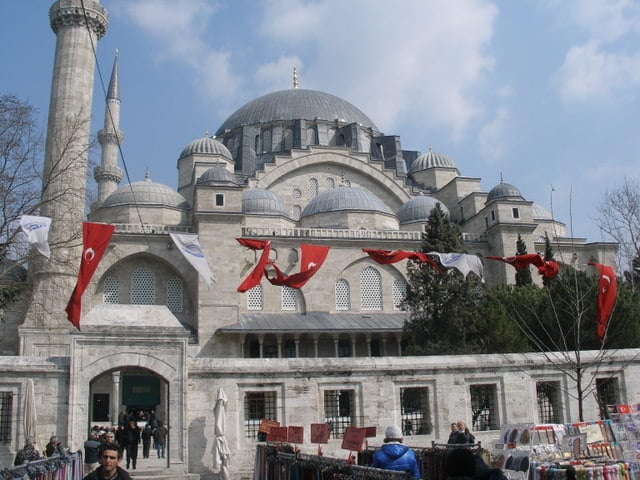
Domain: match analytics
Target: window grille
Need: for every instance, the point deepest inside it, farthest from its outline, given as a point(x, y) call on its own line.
point(258, 406)
point(371, 289)
point(296, 193)
point(516, 212)
point(296, 211)
point(266, 141)
point(548, 397)
point(175, 295)
point(111, 290)
point(6, 414)
point(338, 411)
point(313, 187)
point(289, 349)
point(143, 287)
point(288, 298)
point(219, 199)
point(399, 293)
point(343, 295)
point(254, 298)
point(484, 411)
point(331, 183)
point(415, 412)
point(608, 394)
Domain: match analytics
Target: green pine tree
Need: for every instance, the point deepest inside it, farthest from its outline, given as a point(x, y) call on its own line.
point(523, 277)
point(443, 305)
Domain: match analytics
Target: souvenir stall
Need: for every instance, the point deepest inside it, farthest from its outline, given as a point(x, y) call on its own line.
point(63, 467)
point(598, 450)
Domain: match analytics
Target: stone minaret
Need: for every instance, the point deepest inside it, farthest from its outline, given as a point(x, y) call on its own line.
point(108, 174)
point(77, 32)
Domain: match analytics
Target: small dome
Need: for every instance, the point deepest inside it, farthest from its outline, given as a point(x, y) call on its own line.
point(261, 201)
point(146, 192)
point(206, 146)
point(504, 190)
point(344, 198)
point(431, 159)
point(217, 174)
point(540, 212)
point(418, 209)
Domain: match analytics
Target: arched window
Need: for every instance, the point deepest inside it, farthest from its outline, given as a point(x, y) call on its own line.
point(266, 141)
point(370, 289)
point(288, 299)
point(296, 211)
point(110, 290)
point(175, 295)
point(312, 139)
point(399, 293)
point(257, 146)
point(254, 298)
point(143, 287)
point(313, 187)
point(288, 139)
point(331, 183)
point(343, 295)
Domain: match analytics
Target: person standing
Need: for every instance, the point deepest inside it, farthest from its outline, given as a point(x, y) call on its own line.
point(453, 433)
point(393, 455)
point(131, 438)
point(147, 433)
point(109, 469)
point(91, 453)
point(160, 438)
point(53, 447)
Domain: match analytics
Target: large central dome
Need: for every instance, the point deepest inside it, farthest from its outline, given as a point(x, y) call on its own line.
point(295, 104)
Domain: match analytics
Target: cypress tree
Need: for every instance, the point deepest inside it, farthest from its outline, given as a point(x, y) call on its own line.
point(523, 277)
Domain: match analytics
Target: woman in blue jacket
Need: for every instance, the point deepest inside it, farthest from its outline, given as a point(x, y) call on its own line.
point(393, 455)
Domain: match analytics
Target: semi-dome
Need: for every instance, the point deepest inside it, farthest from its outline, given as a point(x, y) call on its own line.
point(295, 104)
point(418, 209)
point(217, 174)
point(146, 192)
point(540, 212)
point(264, 202)
point(206, 145)
point(344, 198)
point(504, 190)
point(431, 159)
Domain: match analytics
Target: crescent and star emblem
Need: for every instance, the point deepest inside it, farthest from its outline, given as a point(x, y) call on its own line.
point(89, 254)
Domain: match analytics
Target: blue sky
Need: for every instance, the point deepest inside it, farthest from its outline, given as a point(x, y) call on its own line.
point(544, 93)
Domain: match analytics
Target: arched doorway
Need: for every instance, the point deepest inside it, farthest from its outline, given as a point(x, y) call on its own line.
point(137, 394)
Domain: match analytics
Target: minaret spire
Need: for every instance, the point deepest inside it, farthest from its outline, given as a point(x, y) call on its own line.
point(108, 174)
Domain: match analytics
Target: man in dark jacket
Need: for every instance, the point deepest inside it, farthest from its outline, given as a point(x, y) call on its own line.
point(393, 455)
point(109, 469)
point(131, 438)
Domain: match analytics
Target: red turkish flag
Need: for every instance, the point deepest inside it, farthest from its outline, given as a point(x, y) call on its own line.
point(607, 292)
point(547, 269)
point(256, 274)
point(313, 256)
point(95, 240)
point(384, 257)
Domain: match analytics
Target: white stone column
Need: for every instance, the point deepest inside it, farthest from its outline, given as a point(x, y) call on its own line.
point(279, 340)
point(261, 343)
point(336, 341)
point(353, 344)
point(368, 345)
point(115, 396)
point(315, 345)
point(297, 342)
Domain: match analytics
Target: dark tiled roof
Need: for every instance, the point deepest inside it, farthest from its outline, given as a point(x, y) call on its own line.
point(318, 322)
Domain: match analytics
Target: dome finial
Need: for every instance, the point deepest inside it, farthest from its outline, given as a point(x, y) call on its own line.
point(430, 148)
point(147, 175)
point(501, 178)
point(296, 84)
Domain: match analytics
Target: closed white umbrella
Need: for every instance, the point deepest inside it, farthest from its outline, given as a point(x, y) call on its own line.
point(30, 417)
point(221, 451)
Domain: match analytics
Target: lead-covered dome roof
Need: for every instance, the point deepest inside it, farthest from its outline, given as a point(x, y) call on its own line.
point(344, 198)
point(206, 145)
point(217, 174)
point(295, 104)
point(431, 159)
point(146, 192)
point(263, 202)
point(504, 190)
point(418, 209)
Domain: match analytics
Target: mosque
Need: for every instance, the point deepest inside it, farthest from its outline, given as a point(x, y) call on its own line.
point(291, 167)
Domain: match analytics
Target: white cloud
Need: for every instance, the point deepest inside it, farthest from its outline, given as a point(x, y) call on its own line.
point(590, 73)
point(492, 136)
point(178, 29)
point(278, 75)
point(420, 58)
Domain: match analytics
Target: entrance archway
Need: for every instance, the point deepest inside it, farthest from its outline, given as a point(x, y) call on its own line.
point(127, 394)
